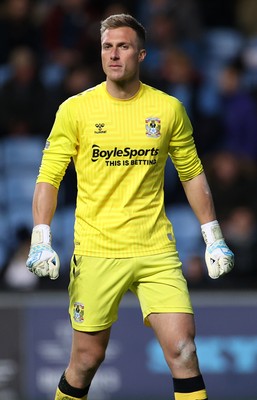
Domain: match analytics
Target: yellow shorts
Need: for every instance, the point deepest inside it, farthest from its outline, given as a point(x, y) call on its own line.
point(97, 286)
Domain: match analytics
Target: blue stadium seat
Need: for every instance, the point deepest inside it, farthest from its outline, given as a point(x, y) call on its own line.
point(2, 180)
point(21, 158)
point(19, 188)
point(2, 192)
point(4, 238)
point(187, 231)
point(19, 217)
point(250, 62)
point(22, 153)
point(221, 45)
point(5, 73)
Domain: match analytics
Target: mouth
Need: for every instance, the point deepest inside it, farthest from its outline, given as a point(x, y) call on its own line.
point(114, 66)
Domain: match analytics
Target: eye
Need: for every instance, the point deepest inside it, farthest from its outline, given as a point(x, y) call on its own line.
point(106, 46)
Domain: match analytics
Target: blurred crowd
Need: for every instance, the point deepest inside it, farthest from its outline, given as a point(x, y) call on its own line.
point(202, 52)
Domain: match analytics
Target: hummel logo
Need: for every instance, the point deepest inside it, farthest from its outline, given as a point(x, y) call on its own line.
point(99, 128)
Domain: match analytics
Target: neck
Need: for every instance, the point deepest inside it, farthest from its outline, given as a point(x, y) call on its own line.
point(123, 91)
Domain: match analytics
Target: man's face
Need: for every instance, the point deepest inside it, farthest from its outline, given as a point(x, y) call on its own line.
point(120, 54)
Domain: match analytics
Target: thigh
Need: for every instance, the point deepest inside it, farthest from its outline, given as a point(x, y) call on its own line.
point(172, 328)
point(161, 286)
point(89, 342)
point(95, 290)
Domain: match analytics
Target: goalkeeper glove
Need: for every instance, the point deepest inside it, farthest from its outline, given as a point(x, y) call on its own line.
point(42, 259)
point(218, 257)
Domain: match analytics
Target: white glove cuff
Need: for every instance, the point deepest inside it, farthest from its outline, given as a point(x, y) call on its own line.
point(211, 232)
point(41, 234)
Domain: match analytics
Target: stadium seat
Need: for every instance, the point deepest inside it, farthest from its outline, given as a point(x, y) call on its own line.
point(19, 217)
point(5, 73)
point(20, 188)
point(187, 231)
point(2, 191)
point(221, 45)
point(22, 153)
point(21, 158)
point(4, 238)
point(250, 62)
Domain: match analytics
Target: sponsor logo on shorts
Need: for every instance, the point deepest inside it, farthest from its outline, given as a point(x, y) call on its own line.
point(78, 312)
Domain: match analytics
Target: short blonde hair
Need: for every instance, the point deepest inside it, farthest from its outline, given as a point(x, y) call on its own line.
point(121, 20)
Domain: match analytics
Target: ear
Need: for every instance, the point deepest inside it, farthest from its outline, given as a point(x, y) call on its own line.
point(142, 54)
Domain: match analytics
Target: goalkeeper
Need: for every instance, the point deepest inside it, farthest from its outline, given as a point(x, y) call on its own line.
point(119, 134)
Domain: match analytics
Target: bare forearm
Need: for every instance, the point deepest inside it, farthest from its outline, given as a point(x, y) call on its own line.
point(44, 203)
point(200, 198)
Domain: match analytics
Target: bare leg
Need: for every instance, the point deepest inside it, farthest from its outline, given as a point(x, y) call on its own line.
point(175, 333)
point(87, 353)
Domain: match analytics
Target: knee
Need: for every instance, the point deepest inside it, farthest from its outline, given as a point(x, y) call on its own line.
point(183, 352)
point(92, 358)
point(186, 349)
point(88, 360)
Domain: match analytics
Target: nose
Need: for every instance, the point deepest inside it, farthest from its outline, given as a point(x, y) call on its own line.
point(114, 54)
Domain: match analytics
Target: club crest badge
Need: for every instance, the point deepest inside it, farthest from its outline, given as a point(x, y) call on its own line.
point(78, 312)
point(153, 127)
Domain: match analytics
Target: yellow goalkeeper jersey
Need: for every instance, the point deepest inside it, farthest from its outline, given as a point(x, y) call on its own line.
point(120, 148)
